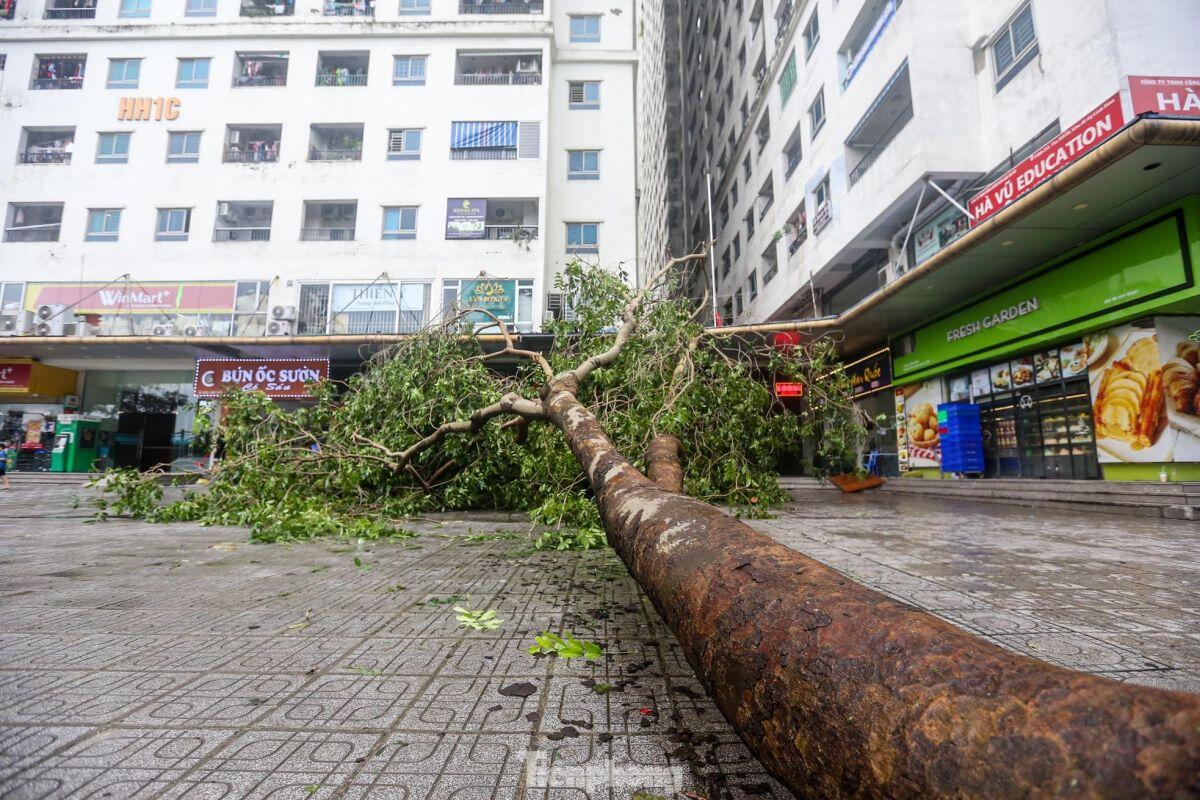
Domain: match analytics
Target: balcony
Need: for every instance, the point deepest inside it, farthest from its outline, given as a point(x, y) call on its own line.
point(58, 72)
point(887, 115)
point(329, 221)
point(70, 9)
point(8, 8)
point(797, 226)
point(495, 218)
point(501, 7)
point(33, 222)
point(509, 68)
point(822, 217)
point(511, 232)
point(349, 9)
point(335, 142)
point(260, 8)
point(252, 144)
point(243, 222)
point(342, 68)
point(864, 33)
point(47, 145)
point(260, 69)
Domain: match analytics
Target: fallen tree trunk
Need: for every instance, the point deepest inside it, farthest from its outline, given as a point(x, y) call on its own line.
point(845, 693)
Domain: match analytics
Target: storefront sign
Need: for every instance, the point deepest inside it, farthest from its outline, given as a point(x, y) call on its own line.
point(789, 389)
point(364, 297)
point(938, 233)
point(134, 298)
point(870, 374)
point(466, 218)
point(275, 377)
point(1101, 123)
point(14, 378)
point(1144, 266)
point(23, 376)
point(141, 109)
point(1171, 97)
point(498, 297)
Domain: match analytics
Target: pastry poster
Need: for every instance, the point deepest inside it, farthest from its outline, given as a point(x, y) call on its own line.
point(1144, 384)
point(921, 422)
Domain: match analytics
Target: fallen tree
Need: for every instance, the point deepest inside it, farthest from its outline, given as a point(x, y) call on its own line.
point(841, 691)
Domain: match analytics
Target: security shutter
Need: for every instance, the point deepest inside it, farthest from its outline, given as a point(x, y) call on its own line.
point(576, 93)
point(396, 141)
point(529, 140)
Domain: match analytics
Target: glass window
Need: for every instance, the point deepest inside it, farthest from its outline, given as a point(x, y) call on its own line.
point(816, 113)
point(134, 8)
point(585, 27)
point(183, 147)
point(200, 8)
point(583, 165)
point(1014, 47)
point(250, 308)
point(400, 222)
point(113, 148)
point(524, 321)
point(123, 73)
point(409, 71)
point(812, 34)
point(583, 237)
point(787, 79)
point(404, 144)
point(102, 224)
point(173, 224)
point(414, 6)
point(584, 94)
point(192, 73)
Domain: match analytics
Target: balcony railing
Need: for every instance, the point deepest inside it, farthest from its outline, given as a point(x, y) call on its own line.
point(822, 218)
point(505, 79)
point(70, 13)
point(33, 233)
point(268, 10)
point(335, 155)
point(260, 80)
point(509, 7)
point(327, 234)
point(483, 153)
point(46, 157)
point(349, 10)
point(261, 155)
point(241, 234)
point(513, 232)
point(868, 44)
point(58, 83)
point(798, 238)
point(334, 79)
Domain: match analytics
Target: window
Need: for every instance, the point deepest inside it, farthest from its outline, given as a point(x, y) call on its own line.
point(824, 211)
point(583, 165)
point(409, 71)
point(752, 285)
point(400, 222)
point(737, 303)
point(812, 34)
point(726, 264)
point(102, 224)
point(192, 73)
point(821, 193)
point(737, 247)
point(585, 27)
point(404, 144)
point(584, 94)
point(816, 113)
point(749, 224)
point(523, 320)
point(113, 148)
point(33, 222)
point(787, 79)
point(200, 8)
point(483, 141)
point(250, 308)
point(1014, 47)
point(173, 224)
point(183, 147)
point(123, 73)
point(414, 6)
point(583, 237)
point(134, 8)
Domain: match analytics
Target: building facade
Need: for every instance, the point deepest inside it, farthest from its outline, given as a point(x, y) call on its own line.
point(200, 169)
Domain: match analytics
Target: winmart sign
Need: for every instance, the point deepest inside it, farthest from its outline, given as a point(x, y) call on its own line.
point(1066, 148)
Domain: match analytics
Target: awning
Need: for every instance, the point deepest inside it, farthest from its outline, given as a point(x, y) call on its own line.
point(482, 134)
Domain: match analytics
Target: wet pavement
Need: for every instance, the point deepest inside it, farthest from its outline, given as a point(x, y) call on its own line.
point(1109, 594)
point(174, 661)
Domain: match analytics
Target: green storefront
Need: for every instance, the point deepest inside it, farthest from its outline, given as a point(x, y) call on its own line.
point(1086, 367)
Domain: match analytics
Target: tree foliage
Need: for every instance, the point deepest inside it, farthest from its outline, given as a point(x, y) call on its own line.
point(331, 467)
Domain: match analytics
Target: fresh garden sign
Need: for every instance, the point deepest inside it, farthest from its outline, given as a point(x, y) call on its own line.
point(993, 320)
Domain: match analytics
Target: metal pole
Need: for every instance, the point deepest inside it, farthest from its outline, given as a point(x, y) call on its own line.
point(712, 264)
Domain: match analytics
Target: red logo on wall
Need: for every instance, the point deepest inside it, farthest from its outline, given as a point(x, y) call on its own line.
point(1171, 97)
point(15, 376)
point(275, 377)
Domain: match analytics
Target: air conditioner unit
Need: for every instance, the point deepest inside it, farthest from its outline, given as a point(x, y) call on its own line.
point(86, 329)
point(15, 323)
point(283, 312)
point(49, 327)
point(197, 330)
point(554, 305)
point(223, 209)
point(51, 311)
point(279, 327)
point(163, 329)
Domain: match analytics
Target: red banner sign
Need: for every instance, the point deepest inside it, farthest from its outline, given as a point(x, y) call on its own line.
point(1171, 97)
point(789, 389)
point(1101, 123)
point(275, 377)
point(137, 298)
point(15, 376)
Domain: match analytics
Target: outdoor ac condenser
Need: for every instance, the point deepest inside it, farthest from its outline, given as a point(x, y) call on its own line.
point(163, 329)
point(287, 313)
point(279, 327)
point(50, 320)
point(15, 323)
point(197, 330)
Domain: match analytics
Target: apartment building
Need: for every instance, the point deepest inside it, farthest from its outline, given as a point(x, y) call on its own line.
point(904, 173)
point(269, 171)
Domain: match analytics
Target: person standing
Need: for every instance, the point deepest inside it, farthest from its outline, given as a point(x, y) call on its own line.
point(4, 465)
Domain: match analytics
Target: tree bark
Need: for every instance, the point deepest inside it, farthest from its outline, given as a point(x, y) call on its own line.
point(664, 463)
point(845, 693)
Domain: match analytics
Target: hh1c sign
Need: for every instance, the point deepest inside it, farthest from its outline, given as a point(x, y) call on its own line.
point(275, 377)
point(1101, 123)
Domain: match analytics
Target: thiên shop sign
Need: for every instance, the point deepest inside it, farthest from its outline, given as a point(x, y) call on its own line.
point(284, 378)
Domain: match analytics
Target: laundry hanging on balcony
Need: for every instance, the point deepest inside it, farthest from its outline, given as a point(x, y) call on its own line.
point(474, 135)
